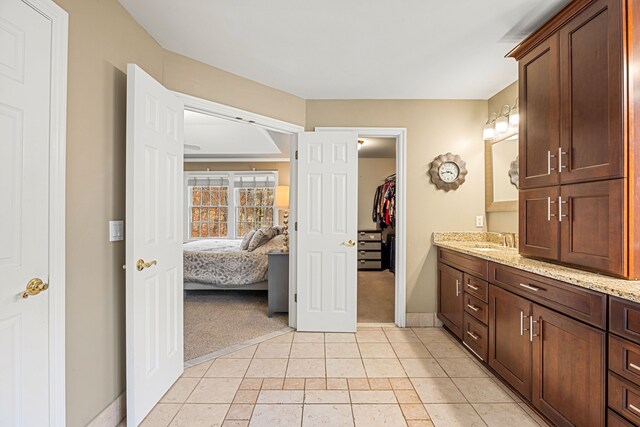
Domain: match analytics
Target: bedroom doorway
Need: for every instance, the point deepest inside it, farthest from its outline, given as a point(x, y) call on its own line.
point(237, 179)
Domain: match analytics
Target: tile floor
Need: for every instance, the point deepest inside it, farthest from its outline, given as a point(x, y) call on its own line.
point(377, 377)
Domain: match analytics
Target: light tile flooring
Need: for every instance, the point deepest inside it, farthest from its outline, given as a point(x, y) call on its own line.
point(377, 377)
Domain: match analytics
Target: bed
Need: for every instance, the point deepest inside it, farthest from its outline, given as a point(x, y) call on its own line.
point(221, 264)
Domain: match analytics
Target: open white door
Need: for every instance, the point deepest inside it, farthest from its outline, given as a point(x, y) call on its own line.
point(327, 231)
point(154, 242)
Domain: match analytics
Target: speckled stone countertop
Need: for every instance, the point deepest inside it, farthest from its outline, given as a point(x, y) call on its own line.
point(489, 246)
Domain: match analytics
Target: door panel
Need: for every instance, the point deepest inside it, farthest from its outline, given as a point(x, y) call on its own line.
point(25, 74)
point(450, 298)
point(568, 369)
point(154, 298)
point(538, 222)
point(327, 221)
point(509, 338)
point(592, 94)
point(539, 123)
point(593, 226)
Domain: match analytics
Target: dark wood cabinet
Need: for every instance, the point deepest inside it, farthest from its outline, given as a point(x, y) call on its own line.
point(450, 298)
point(540, 126)
point(569, 370)
point(591, 69)
point(593, 226)
point(509, 341)
point(538, 222)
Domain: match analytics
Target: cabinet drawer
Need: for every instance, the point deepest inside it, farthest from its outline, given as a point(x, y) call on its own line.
point(476, 287)
point(624, 398)
point(582, 304)
point(466, 263)
point(624, 358)
point(369, 246)
point(475, 336)
point(615, 420)
point(370, 235)
point(476, 308)
point(624, 318)
point(369, 265)
point(370, 255)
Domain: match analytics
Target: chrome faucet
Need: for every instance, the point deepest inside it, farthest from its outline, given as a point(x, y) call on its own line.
point(508, 240)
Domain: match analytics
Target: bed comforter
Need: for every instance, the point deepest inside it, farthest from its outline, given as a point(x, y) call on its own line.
point(220, 262)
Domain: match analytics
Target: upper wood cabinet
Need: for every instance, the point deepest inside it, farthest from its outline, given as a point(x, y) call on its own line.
point(539, 127)
point(538, 222)
point(592, 103)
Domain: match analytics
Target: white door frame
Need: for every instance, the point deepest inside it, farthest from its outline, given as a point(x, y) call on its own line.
point(211, 108)
point(57, 171)
point(400, 135)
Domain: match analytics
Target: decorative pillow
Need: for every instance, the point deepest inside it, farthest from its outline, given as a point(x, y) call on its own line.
point(279, 229)
point(274, 245)
point(244, 245)
point(262, 236)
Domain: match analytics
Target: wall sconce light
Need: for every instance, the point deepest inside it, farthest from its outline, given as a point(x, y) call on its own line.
point(514, 116)
point(489, 130)
point(502, 122)
point(508, 120)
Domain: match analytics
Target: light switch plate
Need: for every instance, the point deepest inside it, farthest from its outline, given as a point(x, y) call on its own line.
point(116, 231)
point(479, 221)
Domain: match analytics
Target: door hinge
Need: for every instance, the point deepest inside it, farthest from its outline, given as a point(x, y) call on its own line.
point(296, 154)
point(295, 297)
point(296, 226)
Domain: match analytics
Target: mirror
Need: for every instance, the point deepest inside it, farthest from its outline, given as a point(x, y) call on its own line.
point(501, 174)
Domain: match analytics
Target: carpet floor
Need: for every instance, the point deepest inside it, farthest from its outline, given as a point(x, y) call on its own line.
point(214, 320)
point(376, 297)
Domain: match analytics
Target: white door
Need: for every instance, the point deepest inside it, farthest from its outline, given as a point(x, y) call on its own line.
point(25, 67)
point(154, 242)
point(327, 231)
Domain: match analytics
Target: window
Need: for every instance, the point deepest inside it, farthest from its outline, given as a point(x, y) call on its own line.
point(227, 205)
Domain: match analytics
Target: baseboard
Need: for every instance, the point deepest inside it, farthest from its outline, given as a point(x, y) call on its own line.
point(112, 414)
point(422, 320)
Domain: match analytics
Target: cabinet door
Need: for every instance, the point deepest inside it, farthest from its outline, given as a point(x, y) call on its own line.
point(540, 115)
point(538, 223)
point(509, 342)
point(450, 298)
point(568, 370)
point(593, 224)
point(591, 131)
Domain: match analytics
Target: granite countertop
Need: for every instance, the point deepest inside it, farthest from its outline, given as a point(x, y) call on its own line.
point(488, 246)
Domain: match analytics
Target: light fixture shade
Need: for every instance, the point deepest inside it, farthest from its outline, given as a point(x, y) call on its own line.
point(282, 197)
point(514, 116)
point(502, 122)
point(489, 131)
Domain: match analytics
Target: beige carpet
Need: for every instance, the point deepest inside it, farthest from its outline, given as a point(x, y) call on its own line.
point(214, 320)
point(376, 297)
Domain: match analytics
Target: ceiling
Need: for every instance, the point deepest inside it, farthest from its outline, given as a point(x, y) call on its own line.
point(356, 49)
point(224, 138)
point(377, 148)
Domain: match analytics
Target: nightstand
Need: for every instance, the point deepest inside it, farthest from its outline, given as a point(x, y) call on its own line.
point(278, 282)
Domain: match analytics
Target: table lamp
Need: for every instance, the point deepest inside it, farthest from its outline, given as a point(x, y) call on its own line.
point(282, 202)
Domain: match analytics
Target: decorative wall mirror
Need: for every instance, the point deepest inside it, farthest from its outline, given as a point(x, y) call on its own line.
point(501, 174)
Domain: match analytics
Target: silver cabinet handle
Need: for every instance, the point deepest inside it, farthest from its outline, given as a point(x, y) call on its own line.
point(531, 288)
point(634, 366)
point(549, 203)
point(475, 288)
point(472, 335)
point(560, 214)
point(531, 334)
point(457, 287)
point(560, 154)
point(634, 408)
point(521, 323)
point(549, 168)
point(473, 307)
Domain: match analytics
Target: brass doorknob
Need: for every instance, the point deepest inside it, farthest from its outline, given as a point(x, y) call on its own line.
point(141, 265)
point(34, 287)
point(350, 243)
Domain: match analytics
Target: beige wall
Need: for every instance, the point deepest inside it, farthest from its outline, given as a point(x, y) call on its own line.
point(503, 221)
point(371, 174)
point(433, 128)
point(103, 38)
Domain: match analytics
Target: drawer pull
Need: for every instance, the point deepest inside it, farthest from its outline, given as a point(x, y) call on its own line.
point(472, 335)
point(531, 288)
point(362, 252)
point(457, 287)
point(362, 233)
point(475, 288)
point(363, 243)
point(473, 307)
point(634, 408)
point(634, 366)
point(362, 261)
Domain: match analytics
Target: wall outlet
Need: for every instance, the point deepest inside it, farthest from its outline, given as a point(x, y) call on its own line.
point(116, 231)
point(479, 221)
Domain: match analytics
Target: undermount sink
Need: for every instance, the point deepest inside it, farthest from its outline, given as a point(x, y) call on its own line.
point(484, 248)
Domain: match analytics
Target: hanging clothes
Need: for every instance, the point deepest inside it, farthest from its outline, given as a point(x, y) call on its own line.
point(384, 204)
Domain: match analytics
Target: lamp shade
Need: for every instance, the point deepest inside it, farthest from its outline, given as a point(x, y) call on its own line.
point(282, 197)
